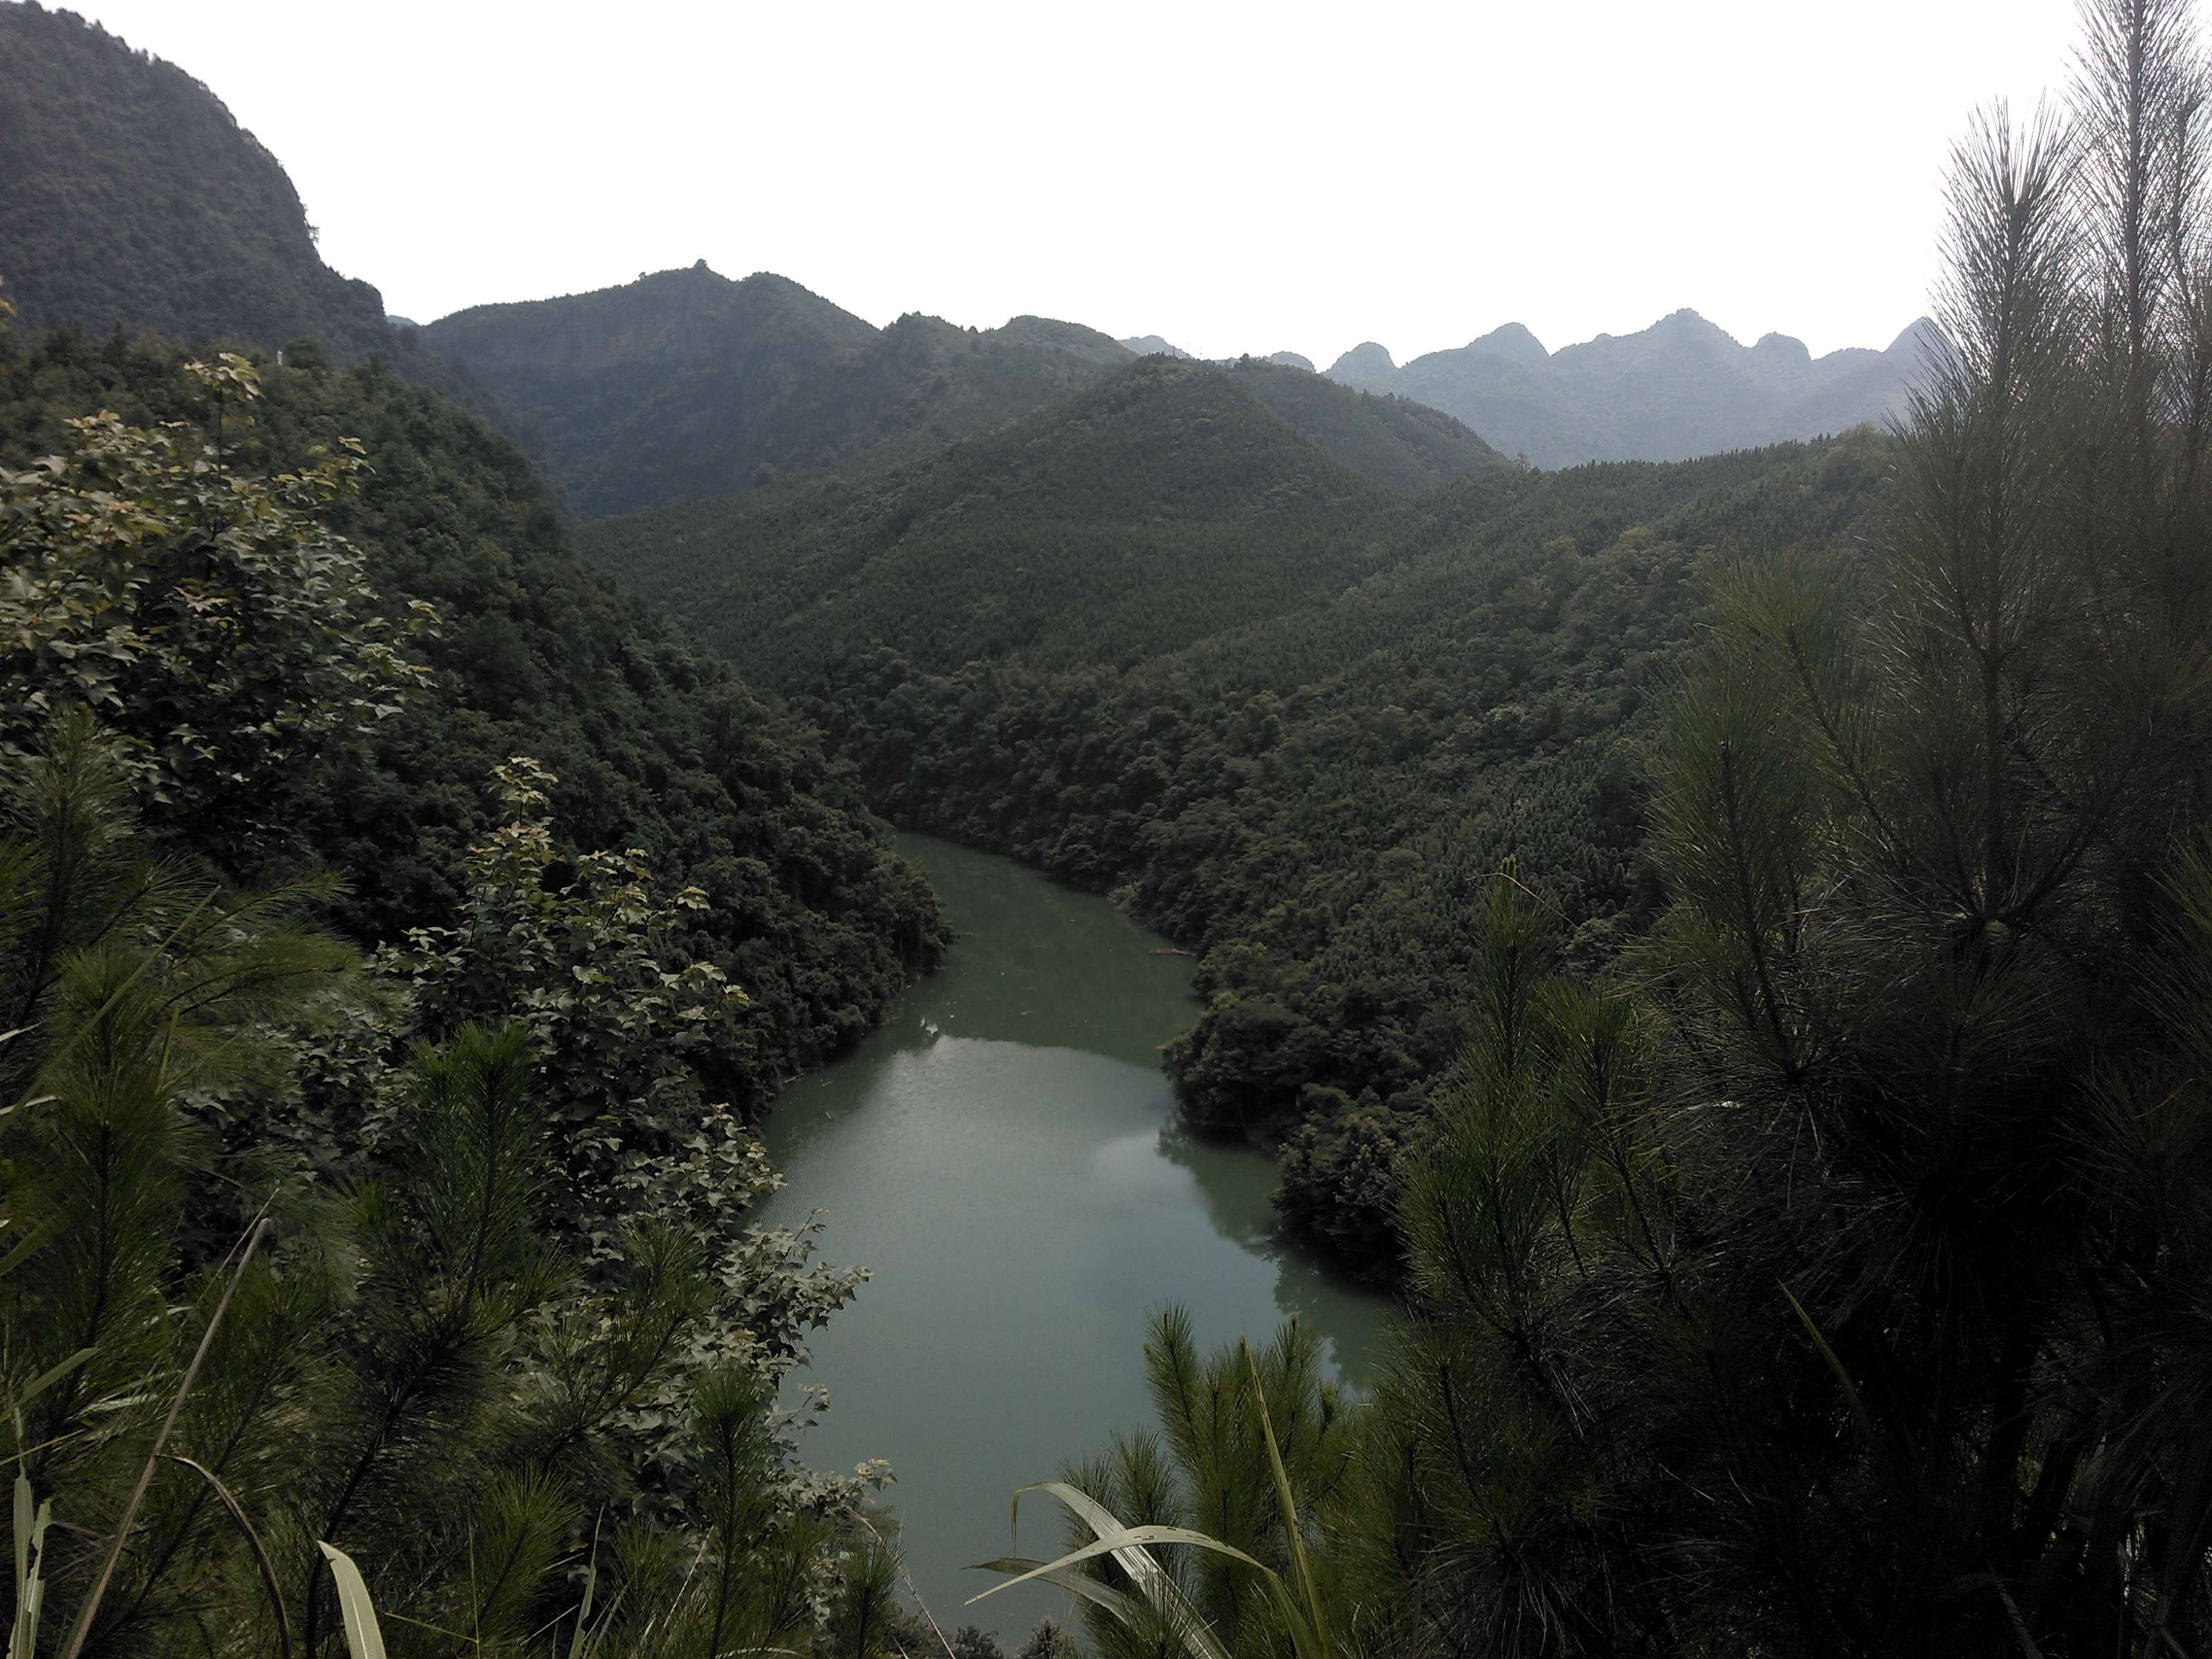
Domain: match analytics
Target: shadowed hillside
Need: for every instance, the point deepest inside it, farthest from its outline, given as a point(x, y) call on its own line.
point(1173, 500)
point(130, 195)
point(684, 384)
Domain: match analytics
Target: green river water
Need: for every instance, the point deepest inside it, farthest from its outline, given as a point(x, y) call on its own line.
point(1004, 1157)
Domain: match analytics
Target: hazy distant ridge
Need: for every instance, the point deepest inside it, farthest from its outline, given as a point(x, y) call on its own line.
point(1680, 388)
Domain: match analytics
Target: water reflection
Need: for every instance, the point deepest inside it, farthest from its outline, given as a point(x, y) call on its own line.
point(1242, 1209)
point(1005, 1159)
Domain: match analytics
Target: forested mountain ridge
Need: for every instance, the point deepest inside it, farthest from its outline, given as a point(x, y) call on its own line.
point(1151, 641)
point(1317, 801)
point(1169, 502)
point(131, 197)
point(685, 385)
point(1405, 446)
point(534, 654)
point(1680, 388)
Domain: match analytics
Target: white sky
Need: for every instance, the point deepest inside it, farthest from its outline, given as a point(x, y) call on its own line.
point(1235, 177)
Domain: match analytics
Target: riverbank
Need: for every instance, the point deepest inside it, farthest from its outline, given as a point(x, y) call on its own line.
point(1004, 1157)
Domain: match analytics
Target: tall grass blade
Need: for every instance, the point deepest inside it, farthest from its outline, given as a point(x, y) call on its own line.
point(364, 1640)
point(1153, 1582)
point(27, 1247)
point(146, 1475)
point(53, 1374)
point(1873, 1435)
point(30, 1570)
point(1313, 1639)
point(1115, 1542)
point(1123, 1608)
point(267, 1567)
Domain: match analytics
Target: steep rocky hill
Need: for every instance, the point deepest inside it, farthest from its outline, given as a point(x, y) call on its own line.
point(129, 195)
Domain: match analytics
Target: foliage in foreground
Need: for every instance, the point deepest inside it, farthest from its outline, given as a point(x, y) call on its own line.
point(422, 1279)
point(472, 1372)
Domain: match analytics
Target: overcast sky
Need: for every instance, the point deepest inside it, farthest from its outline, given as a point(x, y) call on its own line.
point(1237, 178)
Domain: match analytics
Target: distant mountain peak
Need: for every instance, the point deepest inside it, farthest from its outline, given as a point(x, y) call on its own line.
point(1683, 386)
point(1292, 359)
point(1693, 325)
point(1920, 333)
point(1366, 366)
point(1150, 345)
point(1514, 343)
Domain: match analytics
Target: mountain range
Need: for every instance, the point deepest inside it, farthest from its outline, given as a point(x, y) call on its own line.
point(134, 199)
point(685, 384)
point(1680, 388)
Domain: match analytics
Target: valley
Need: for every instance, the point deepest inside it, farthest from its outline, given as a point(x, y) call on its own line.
point(1006, 1155)
point(663, 945)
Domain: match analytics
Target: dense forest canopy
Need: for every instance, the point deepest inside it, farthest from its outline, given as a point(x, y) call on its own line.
point(1161, 507)
point(130, 197)
point(438, 1255)
point(533, 652)
point(685, 384)
point(1157, 641)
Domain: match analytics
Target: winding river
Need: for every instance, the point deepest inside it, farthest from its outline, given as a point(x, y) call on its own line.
point(1003, 1156)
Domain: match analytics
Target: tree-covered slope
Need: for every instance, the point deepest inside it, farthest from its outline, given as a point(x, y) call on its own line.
point(536, 655)
point(1152, 642)
point(1404, 446)
point(685, 385)
point(1678, 389)
point(129, 195)
point(1316, 800)
point(1166, 505)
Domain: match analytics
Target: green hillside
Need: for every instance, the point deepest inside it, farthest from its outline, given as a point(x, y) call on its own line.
point(1403, 445)
point(1317, 801)
point(1163, 505)
point(685, 385)
point(130, 196)
point(1155, 640)
point(536, 655)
